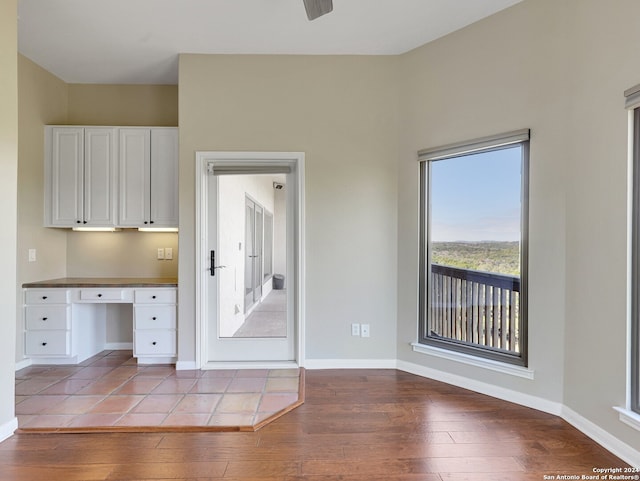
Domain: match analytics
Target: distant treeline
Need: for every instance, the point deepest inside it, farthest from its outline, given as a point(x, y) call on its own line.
point(488, 256)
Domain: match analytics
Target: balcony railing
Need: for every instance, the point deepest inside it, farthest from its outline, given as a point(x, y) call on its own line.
point(479, 308)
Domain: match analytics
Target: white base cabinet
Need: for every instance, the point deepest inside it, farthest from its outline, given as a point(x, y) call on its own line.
point(154, 324)
point(68, 325)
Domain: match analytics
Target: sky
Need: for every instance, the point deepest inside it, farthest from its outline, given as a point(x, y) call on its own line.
point(477, 197)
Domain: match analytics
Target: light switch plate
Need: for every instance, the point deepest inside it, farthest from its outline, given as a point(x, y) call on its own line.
point(160, 253)
point(32, 255)
point(168, 253)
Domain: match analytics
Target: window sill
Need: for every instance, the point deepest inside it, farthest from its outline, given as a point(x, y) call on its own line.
point(489, 364)
point(629, 417)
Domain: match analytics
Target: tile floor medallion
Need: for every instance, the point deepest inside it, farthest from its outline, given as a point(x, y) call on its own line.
point(111, 392)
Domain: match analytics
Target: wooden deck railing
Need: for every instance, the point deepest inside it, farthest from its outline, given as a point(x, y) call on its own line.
point(475, 307)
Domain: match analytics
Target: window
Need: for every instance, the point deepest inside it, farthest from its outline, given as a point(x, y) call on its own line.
point(633, 101)
point(473, 247)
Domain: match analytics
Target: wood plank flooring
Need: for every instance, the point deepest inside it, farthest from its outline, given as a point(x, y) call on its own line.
point(359, 425)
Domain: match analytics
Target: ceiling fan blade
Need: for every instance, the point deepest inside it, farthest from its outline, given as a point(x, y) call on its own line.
point(317, 8)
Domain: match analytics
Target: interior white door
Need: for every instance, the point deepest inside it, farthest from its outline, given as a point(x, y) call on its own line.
point(236, 289)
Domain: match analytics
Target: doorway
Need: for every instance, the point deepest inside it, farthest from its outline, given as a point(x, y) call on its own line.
point(246, 314)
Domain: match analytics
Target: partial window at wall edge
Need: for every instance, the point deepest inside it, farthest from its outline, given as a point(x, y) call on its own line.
point(635, 264)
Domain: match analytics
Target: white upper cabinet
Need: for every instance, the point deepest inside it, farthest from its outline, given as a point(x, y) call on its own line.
point(148, 183)
point(164, 177)
point(135, 170)
point(80, 176)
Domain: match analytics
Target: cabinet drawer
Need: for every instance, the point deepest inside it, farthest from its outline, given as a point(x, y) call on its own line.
point(155, 296)
point(47, 343)
point(154, 343)
point(46, 296)
point(101, 295)
point(155, 317)
point(47, 317)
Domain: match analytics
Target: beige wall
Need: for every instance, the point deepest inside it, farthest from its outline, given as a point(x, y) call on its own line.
point(42, 99)
point(91, 104)
point(559, 68)
point(340, 111)
point(120, 254)
point(8, 198)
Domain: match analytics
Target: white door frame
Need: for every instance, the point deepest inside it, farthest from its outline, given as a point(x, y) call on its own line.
point(248, 160)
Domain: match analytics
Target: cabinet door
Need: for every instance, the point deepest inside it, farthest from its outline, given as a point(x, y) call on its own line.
point(134, 177)
point(164, 177)
point(64, 176)
point(98, 177)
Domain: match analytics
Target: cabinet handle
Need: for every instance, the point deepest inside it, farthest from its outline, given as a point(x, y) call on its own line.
point(44, 318)
point(153, 297)
point(151, 222)
point(44, 343)
point(154, 318)
point(84, 221)
point(145, 222)
point(99, 295)
point(154, 343)
point(78, 222)
point(44, 297)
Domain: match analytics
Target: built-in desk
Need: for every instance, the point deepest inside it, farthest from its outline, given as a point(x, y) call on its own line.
point(65, 319)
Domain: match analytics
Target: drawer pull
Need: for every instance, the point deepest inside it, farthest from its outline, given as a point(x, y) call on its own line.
point(153, 297)
point(99, 295)
point(45, 318)
point(154, 318)
point(154, 343)
point(44, 343)
point(44, 297)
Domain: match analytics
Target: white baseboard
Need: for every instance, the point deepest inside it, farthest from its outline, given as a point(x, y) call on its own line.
point(118, 346)
point(602, 437)
point(517, 397)
point(7, 429)
point(186, 366)
point(350, 364)
point(599, 435)
point(24, 363)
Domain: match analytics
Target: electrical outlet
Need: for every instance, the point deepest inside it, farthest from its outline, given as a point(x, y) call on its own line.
point(364, 330)
point(160, 253)
point(32, 255)
point(168, 253)
point(355, 329)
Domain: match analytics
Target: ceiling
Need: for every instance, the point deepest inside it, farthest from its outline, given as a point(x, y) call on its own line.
point(138, 41)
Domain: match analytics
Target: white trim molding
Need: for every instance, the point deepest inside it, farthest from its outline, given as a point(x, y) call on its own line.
point(249, 162)
point(118, 346)
point(7, 429)
point(187, 366)
point(463, 358)
point(24, 363)
point(602, 437)
point(629, 417)
point(582, 424)
point(505, 394)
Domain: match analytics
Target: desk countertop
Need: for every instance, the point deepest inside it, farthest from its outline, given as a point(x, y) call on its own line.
point(105, 282)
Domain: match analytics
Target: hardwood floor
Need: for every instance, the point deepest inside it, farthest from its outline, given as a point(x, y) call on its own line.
point(360, 425)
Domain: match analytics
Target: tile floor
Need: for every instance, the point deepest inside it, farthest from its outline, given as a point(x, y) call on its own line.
point(111, 390)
